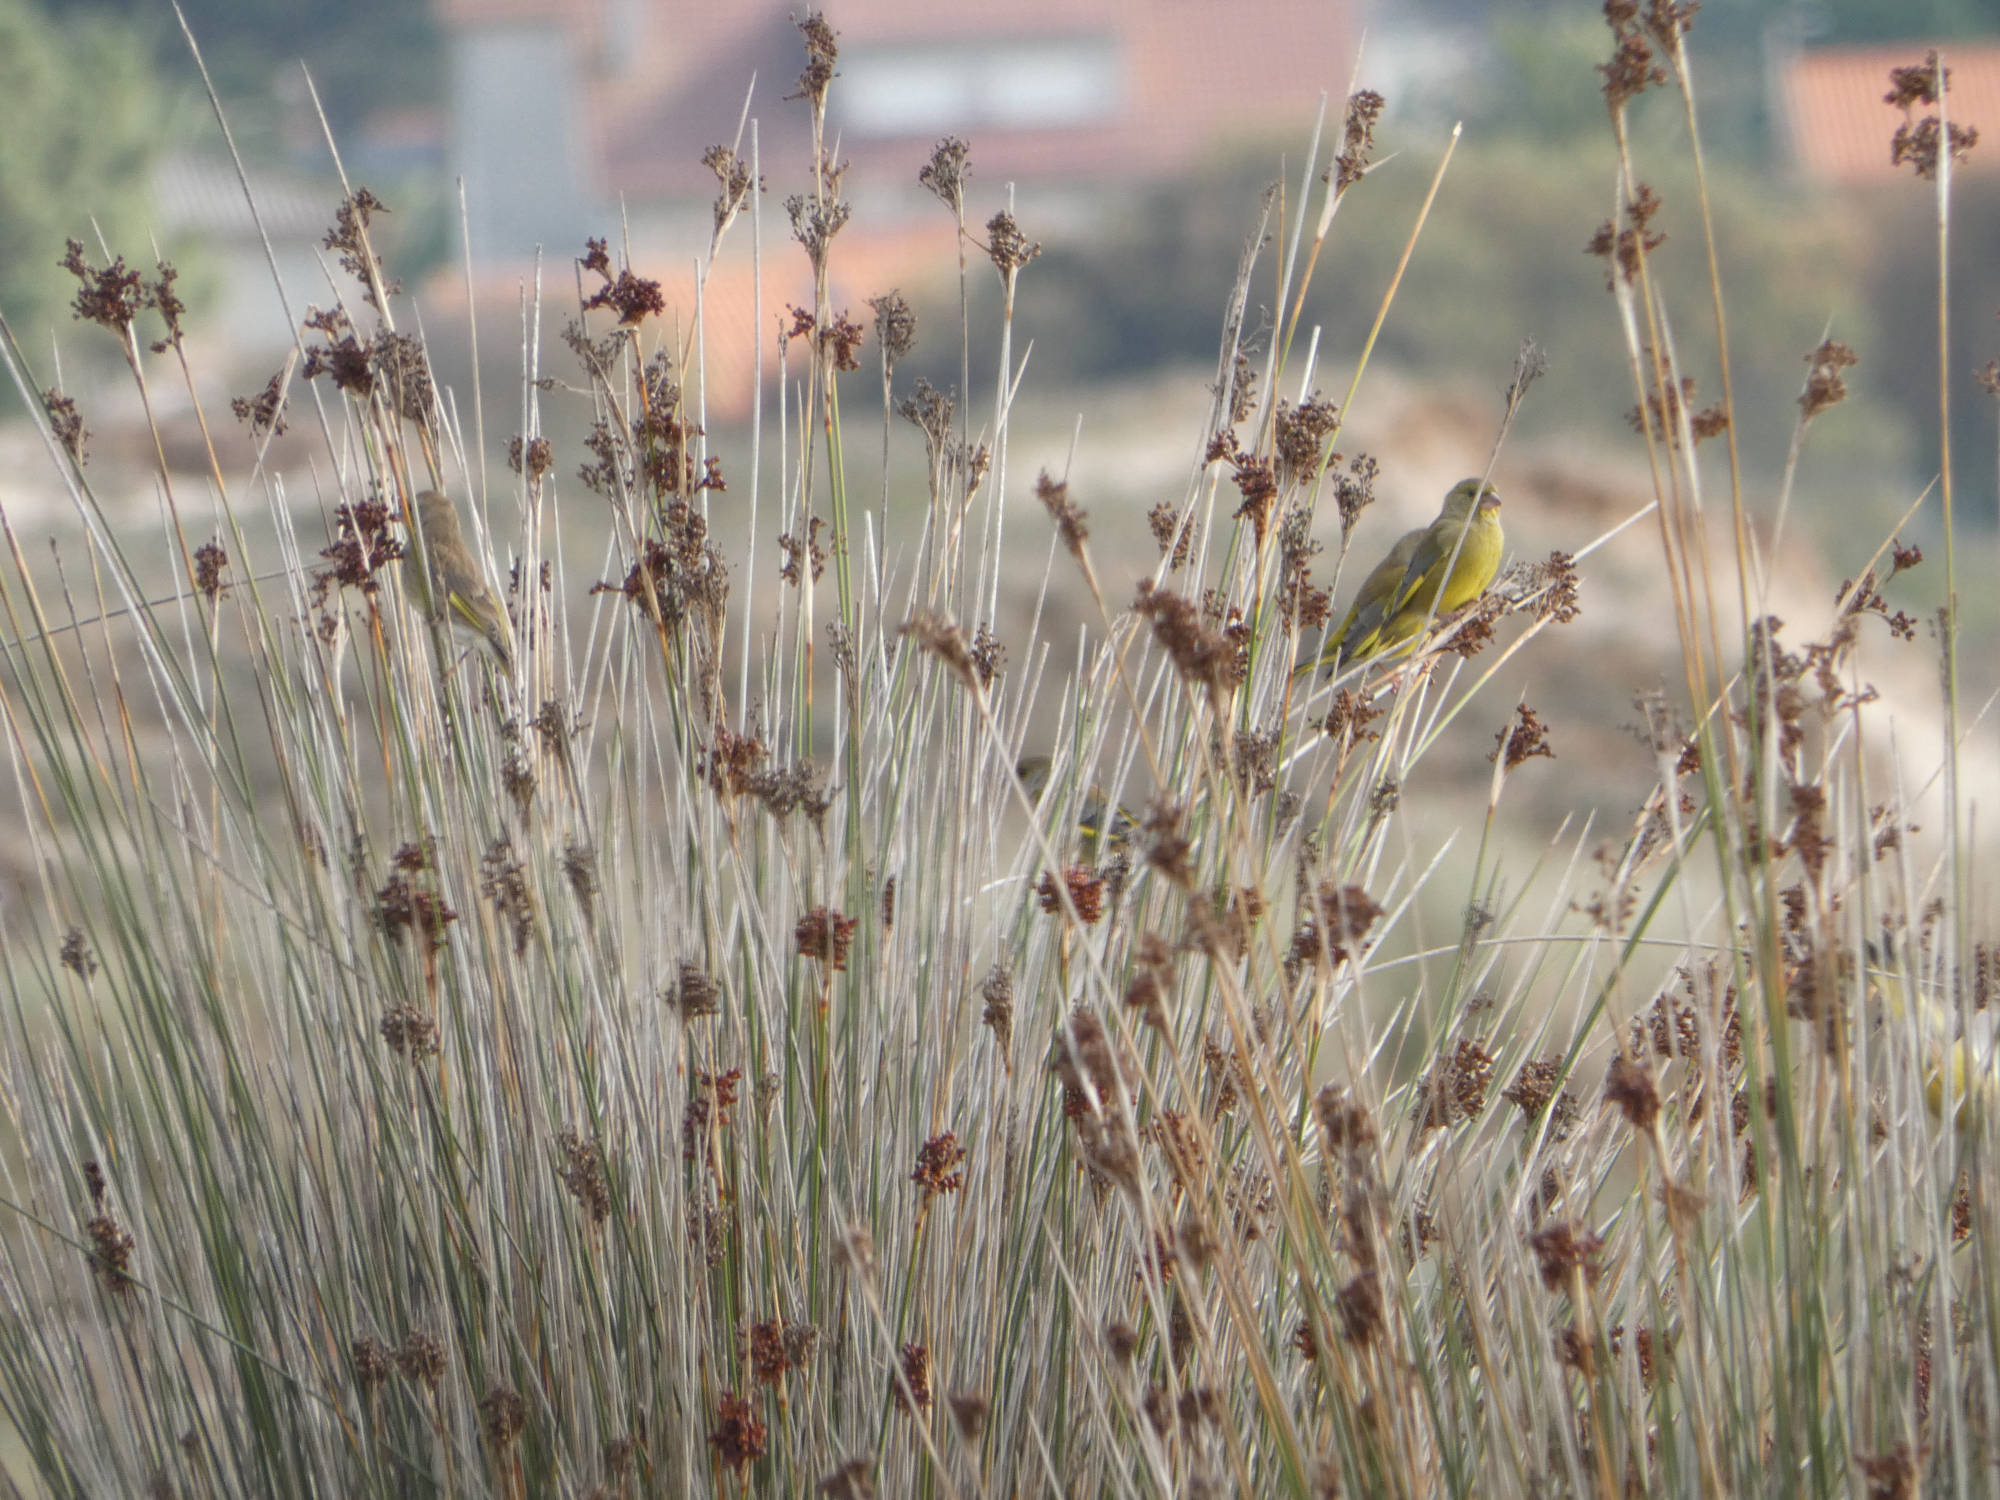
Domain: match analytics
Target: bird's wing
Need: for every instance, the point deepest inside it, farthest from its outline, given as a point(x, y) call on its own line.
point(1427, 563)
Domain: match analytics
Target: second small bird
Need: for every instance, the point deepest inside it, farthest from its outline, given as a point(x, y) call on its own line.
point(1101, 823)
point(456, 590)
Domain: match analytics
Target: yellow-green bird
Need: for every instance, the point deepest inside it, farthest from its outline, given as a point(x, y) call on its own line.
point(1035, 772)
point(1373, 600)
point(455, 589)
point(1469, 528)
point(1964, 1063)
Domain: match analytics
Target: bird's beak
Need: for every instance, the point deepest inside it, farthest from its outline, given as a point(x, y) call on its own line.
point(1490, 500)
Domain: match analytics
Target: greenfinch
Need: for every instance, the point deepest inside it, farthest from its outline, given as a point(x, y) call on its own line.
point(1372, 601)
point(1964, 1065)
point(1468, 529)
point(1035, 772)
point(454, 590)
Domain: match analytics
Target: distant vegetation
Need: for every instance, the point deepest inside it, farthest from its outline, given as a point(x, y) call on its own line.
point(80, 121)
point(1504, 254)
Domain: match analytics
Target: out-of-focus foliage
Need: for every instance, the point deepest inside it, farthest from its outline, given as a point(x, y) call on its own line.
point(1735, 23)
point(1502, 258)
point(80, 121)
point(1893, 20)
point(362, 54)
point(1903, 288)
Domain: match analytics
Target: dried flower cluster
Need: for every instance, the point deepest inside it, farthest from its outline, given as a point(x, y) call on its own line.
point(1069, 519)
point(1824, 385)
point(1917, 142)
point(1624, 249)
point(1357, 138)
point(1523, 739)
point(1205, 656)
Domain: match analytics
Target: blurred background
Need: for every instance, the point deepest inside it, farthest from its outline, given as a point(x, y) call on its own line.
point(1133, 139)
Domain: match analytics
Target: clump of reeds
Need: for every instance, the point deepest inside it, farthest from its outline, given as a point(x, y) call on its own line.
point(696, 1060)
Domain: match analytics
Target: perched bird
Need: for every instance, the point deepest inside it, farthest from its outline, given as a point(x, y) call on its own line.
point(1373, 600)
point(1963, 1065)
point(1035, 772)
point(454, 589)
point(1469, 528)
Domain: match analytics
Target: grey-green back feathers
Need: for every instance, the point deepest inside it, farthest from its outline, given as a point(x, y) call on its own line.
point(454, 589)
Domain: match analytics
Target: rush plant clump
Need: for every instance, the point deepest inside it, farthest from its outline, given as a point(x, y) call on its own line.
point(716, 1052)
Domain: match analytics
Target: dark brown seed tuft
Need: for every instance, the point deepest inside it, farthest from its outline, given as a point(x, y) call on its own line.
point(1359, 1305)
point(945, 174)
point(968, 1414)
point(937, 1162)
point(372, 1361)
point(1630, 1086)
point(582, 1174)
point(503, 1416)
point(1344, 1119)
point(421, 1360)
point(66, 422)
point(1522, 740)
point(916, 1367)
point(1824, 385)
point(1565, 1249)
point(1086, 893)
point(895, 326)
point(853, 1480)
point(1007, 247)
point(738, 1436)
point(1069, 519)
point(825, 935)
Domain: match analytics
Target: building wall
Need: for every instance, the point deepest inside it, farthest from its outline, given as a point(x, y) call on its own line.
point(518, 140)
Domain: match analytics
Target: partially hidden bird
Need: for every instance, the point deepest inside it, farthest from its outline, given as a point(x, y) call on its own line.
point(453, 589)
point(1099, 820)
point(1419, 580)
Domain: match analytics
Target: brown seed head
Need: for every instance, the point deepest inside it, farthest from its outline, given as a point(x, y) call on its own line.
point(503, 1416)
point(1069, 519)
point(1344, 1118)
point(825, 935)
point(739, 1435)
point(1824, 385)
point(1630, 1086)
point(1086, 893)
point(1522, 740)
point(822, 52)
point(1204, 655)
point(968, 1415)
point(1007, 247)
point(1565, 1249)
point(1357, 139)
point(1359, 1307)
point(582, 1174)
point(937, 1162)
point(768, 1361)
point(944, 640)
point(853, 1480)
point(895, 326)
point(421, 1360)
point(916, 1367)
point(945, 174)
point(372, 1361)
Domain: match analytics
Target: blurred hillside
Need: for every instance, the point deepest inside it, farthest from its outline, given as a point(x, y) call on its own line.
point(1119, 317)
point(1134, 255)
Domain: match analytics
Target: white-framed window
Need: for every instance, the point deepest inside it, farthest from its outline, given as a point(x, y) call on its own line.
point(1031, 83)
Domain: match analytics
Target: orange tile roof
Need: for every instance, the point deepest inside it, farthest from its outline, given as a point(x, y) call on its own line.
point(1192, 71)
point(1840, 125)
